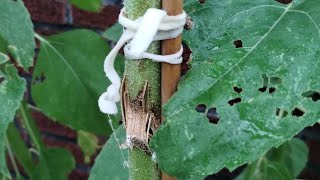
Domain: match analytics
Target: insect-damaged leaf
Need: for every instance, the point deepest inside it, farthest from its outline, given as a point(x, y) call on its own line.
point(16, 31)
point(68, 79)
point(268, 50)
point(12, 88)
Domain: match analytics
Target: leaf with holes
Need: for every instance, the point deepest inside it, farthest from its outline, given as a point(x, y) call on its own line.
point(91, 5)
point(12, 88)
point(16, 31)
point(68, 79)
point(111, 154)
point(255, 66)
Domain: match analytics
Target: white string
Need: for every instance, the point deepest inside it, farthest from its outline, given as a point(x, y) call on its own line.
point(125, 162)
point(155, 25)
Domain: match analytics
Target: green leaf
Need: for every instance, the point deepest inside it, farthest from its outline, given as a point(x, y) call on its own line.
point(3, 177)
point(55, 163)
point(265, 170)
point(20, 149)
point(12, 88)
point(89, 143)
point(88, 5)
point(281, 51)
point(68, 79)
point(111, 155)
point(16, 30)
point(292, 154)
point(285, 162)
point(113, 33)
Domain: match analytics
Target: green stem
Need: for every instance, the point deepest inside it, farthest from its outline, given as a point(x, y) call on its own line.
point(13, 162)
point(138, 72)
point(141, 166)
point(29, 126)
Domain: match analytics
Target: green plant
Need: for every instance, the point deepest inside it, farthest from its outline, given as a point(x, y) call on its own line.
point(253, 85)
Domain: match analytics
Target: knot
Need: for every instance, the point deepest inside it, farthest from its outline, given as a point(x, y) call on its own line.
point(155, 25)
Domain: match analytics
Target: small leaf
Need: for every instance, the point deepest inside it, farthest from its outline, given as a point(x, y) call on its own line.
point(265, 171)
point(20, 149)
point(285, 162)
point(55, 163)
point(292, 154)
point(3, 177)
point(277, 63)
point(88, 143)
point(113, 33)
point(16, 29)
point(111, 154)
point(69, 78)
point(88, 5)
point(12, 88)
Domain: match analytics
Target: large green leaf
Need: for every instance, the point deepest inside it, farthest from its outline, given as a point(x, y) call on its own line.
point(275, 74)
point(285, 162)
point(16, 30)
point(12, 88)
point(112, 157)
point(68, 79)
point(88, 5)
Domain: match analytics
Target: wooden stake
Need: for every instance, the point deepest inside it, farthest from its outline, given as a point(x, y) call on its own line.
point(170, 74)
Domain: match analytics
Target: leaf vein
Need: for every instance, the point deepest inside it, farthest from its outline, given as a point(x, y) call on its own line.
point(311, 19)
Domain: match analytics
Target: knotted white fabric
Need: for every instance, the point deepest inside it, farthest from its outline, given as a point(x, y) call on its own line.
point(155, 25)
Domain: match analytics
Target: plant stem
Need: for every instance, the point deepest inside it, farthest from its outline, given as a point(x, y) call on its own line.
point(138, 73)
point(29, 126)
point(141, 166)
point(13, 162)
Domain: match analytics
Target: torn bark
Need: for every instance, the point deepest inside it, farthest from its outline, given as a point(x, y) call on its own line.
point(140, 120)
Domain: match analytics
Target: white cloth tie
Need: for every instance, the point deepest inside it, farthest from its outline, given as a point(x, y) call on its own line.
point(155, 25)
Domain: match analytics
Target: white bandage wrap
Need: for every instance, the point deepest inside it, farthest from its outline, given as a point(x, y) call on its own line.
point(155, 25)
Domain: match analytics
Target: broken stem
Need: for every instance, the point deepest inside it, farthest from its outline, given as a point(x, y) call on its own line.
point(141, 99)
